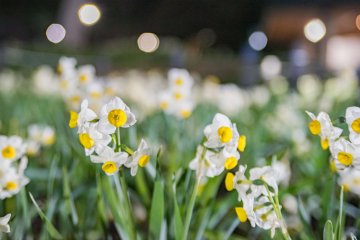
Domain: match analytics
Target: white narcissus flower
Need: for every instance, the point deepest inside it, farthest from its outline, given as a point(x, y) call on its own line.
point(265, 215)
point(13, 180)
point(345, 153)
point(11, 148)
point(86, 74)
point(322, 126)
point(228, 158)
point(259, 212)
point(66, 66)
point(95, 91)
point(266, 174)
point(83, 119)
point(352, 116)
point(140, 157)
point(111, 161)
point(73, 99)
point(4, 223)
point(180, 79)
point(241, 183)
point(114, 115)
point(32, 147)
point(41, 134)
point(282, 171)
point(48, 136)
point(246, 212)
point(350, 179)
point(93, 140)
point(184, 109)
point(221, 132)
point(203, 165)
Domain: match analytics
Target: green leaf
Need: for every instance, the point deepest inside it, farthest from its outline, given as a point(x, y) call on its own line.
point(116, 208)
point(177, 219)
point(69, 201)
point(49, 226)
point(328, 231)
point(157, 210)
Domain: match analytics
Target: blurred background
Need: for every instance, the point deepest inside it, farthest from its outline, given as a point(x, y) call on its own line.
point(232, 40)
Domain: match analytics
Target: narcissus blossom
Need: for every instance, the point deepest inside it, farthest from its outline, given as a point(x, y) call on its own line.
point(353, 120)
point(111, 161)
point(141, 157)
point(115, 114)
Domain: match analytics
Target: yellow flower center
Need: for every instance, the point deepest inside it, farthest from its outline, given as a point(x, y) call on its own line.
point(345, 158)
point(230, 163)
point(64, 84)
point(117, 117)
point(241, 213)
point(109, 91)
point(164, 105)
point(11, 185)
point(178, 96)
point(225, 134)
point(242, 143)
point(346, 187)
point(263, 217)
point(143, 160)
point(31, 152)
point(109, 167)
point(229, 181)
point(83, 78)
point(86, 140)
point(356, 181)
point(355, 125)
point(8, 152)
point(49, 140)
point(179, 82)
point(315, 127)
point(185, 113)
point(95, 95)
point(73, 119)
point(75, 99)
point(59, 68)
point(325, 143)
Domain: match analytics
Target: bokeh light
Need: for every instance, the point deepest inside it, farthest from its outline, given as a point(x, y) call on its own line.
point(314, 30)
point(89, 14)
point(299, 57)
point(148, 42)
point(258, 40)
point(270, 66)
point(55, 33)
point(357, 21)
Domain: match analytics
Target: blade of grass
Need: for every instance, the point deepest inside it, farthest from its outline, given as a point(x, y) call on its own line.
point(49, 226)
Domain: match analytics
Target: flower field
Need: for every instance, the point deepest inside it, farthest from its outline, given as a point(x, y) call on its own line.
point(175, 155)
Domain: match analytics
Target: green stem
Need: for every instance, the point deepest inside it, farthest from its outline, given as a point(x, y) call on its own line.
point(276, 206)
point(127, 203)
point(190, 208)
point(123, 186)
point(341, 212)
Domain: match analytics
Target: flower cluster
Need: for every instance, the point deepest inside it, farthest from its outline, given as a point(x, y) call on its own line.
point(80, 83)
point(345, 153)
point(220, 150)
point(100, 136)
point(39, 135)
point(176, 100)
point(12, 177)
point(258, 194)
